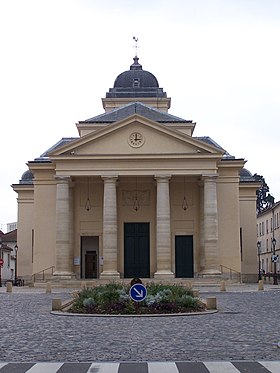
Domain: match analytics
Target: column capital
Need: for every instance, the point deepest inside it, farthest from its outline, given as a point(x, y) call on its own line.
point(109, 178)
point(209, 177)
point(162, 178)
point(62, 179)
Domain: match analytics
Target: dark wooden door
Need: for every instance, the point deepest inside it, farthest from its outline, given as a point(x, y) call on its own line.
point(91, 264)
point(184, 256)
point(136, 250)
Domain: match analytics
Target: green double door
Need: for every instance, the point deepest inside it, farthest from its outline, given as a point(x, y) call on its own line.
point(136, 250)
point(184, 256)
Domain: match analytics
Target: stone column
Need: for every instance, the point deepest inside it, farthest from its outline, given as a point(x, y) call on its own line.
point(211, 250)
point(163, 231)
point(201, 235)
point(110, 229)
point(63, 252)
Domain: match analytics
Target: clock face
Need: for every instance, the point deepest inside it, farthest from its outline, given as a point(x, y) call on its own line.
point(136, 139)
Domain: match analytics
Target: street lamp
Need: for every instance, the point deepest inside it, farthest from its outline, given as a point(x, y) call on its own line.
point(275, 259)
point(259, 244)
point(16, 250)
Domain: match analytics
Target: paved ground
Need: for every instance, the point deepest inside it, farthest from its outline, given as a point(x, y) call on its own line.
point(247, 327)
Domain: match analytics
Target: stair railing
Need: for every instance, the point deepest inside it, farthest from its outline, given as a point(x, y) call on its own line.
point(43, 271)
point(231, 271)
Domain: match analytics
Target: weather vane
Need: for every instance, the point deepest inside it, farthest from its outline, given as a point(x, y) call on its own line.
point(136, 45)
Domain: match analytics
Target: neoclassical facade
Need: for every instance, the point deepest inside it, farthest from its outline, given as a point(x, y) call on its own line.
point(136, 194)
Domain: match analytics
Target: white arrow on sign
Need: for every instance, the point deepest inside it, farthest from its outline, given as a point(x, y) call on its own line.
point(139, 294)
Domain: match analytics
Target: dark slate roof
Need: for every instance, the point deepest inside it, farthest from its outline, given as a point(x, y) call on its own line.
point(9, 237)
point(210, 141)
point(135, 82)
point(59, 144)
point(136, 108)
point(246, 176)
point(27, 177)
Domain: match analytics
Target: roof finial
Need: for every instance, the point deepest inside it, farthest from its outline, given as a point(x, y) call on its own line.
point(136, 45)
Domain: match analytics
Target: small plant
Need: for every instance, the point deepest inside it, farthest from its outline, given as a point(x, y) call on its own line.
point(114, 299)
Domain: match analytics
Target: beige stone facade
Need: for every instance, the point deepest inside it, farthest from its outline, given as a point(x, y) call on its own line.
point(268, 228)
point(136, 194)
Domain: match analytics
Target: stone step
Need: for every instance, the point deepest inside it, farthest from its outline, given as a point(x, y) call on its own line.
point(95, 282)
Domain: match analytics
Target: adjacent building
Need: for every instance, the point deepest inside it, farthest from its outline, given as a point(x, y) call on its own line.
point(268, 237)
point(137, 194)
point(8, 254)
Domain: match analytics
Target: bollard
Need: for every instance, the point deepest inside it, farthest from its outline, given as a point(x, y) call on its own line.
point(48, 288)
point(83, 285)
point(196, 293)
point(223, 286)
point(211, 303)
point(56, 304)
point(260, 287)
point(9, 287)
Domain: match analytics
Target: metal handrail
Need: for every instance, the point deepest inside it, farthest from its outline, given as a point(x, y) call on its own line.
point(43, 272)
point(231, 270)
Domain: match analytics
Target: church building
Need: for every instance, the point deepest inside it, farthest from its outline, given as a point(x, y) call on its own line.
point(136, 194)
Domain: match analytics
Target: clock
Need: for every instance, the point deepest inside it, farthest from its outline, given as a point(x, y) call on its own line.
point(136, 139)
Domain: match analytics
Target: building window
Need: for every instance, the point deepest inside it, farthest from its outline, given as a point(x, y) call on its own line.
point(271, 225)
point(9, 260)
point(267, 245)
point(136, 83)
point(266, 225)
point(262, 228)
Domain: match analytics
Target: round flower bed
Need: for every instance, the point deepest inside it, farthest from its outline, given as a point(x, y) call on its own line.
point(114, 299)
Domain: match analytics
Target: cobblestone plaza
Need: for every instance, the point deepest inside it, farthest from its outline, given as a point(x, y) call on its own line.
point(245, 328)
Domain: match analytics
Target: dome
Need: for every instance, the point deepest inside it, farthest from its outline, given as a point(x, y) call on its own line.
point(135, 82)
point(136, 77)
point(27, 177)
point(246, 176)
point(245, 173)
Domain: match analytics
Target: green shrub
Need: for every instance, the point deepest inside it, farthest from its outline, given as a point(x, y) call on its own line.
point(114, 298)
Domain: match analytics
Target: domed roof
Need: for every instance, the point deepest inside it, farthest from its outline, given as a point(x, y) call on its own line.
point(245, 173)
point(135, 82)
point(246, 176)
point(136, 76)
point(27, 177)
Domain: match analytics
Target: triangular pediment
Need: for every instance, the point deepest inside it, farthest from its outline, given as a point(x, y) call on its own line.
point(136, 136)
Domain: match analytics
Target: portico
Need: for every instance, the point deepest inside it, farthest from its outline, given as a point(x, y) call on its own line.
point(159, 199)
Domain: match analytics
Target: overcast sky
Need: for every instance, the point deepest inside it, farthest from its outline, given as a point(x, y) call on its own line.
point(218, 60)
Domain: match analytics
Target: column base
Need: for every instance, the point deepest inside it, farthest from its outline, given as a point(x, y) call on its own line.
point(163, 274)
point(64, 275)
point(110, 275)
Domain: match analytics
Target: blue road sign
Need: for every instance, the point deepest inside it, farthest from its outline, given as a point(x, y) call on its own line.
point(138, 292)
